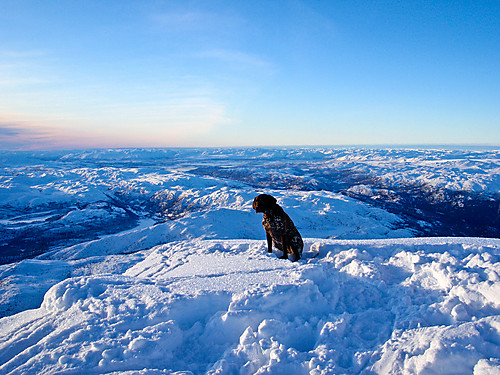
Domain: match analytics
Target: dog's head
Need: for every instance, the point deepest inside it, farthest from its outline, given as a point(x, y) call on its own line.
point(263, 202)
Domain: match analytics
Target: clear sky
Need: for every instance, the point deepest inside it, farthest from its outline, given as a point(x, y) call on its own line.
point(248, 73)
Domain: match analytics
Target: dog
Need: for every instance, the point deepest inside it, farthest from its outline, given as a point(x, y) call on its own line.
point(280, 229)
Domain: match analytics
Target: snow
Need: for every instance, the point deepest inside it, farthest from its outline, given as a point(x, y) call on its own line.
point(426, 305)
point(197, 293)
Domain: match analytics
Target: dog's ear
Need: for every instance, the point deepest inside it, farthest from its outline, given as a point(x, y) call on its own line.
point(255, 203)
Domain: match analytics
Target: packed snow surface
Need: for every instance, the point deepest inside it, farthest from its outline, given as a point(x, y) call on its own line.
point(165, 269)
point(414, 306)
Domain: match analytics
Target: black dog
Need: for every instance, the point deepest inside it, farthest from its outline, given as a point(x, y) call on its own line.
point(280, 229)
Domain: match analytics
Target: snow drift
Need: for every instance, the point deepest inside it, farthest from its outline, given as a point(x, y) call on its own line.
point(225, 306)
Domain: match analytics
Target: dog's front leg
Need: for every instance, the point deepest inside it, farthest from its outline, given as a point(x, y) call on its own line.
point(284, 244)
point(269, 243)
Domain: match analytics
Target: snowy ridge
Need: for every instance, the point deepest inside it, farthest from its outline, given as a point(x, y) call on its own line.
point(226, 306)
point(461, 170)
point(55, 199)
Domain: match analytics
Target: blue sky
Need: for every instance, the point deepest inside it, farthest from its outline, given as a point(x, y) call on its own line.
point(237, 73)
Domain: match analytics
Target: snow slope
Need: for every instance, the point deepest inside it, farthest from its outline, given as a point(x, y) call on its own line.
point(156, 264)
point(229, 216)
point(226, 306)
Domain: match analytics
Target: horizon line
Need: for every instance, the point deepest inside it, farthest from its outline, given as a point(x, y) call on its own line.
point(426, 146)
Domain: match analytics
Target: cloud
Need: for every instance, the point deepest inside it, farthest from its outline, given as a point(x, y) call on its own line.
point(238, 58)
point(181, 21)
point(23, 136)
point(195, 20)
point(157, 123)
point(8, 130)
point(25, 68)
point(18, 54)
point(18, 136)
point(168, 123)
point(33, 135)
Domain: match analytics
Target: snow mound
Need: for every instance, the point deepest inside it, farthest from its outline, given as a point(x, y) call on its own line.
point(227, 306)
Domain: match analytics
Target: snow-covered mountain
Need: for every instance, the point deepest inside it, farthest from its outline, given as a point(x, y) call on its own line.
point(153, 262)
point(54, 199)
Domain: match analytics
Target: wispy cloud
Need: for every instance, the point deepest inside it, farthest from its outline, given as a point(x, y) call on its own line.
point(182, 20)
point(158, 123)
point(22, 54)
point(167, 122)
point(239, 59)
point(8, 130)
point(24, 68)
point(19, 137)
point(38, 134)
